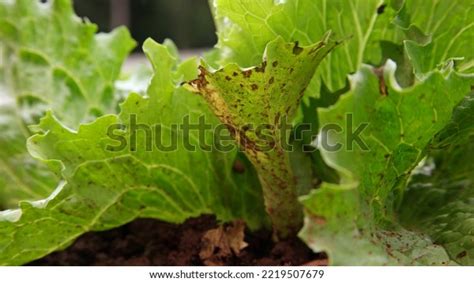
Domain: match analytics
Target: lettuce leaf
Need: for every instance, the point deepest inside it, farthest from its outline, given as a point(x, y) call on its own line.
point(377, 205)
point(107, 187)
point(51, 60)
point(263, 99)
point(449, 28)
point(440, 196)
point(245, 27)
point(358, 218)
point(18, 172)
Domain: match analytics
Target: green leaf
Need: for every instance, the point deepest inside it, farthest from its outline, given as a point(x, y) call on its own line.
point(378, 205)
point(265, 98)
point(52, 60)
point(50, 50)
point(440, 197)
point(336, 224)
point(450, 29)
point(21, 177)
point(109, 186)
point(246, 26)
point(395, 127)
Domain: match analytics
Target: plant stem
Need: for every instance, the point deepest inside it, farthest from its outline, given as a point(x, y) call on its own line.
point(279, 191)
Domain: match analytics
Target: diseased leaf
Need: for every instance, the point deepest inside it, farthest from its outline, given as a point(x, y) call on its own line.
point(245, 27)
point(398, 190)
point(395, 126)
point(440, 197)
point(109, 186)
point(258, 105)
point(336, 223)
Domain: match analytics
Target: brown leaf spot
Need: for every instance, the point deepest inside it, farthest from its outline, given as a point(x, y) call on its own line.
point(247, 73)
point(201, 82)
point(316, 48)
point(262, 67)
point(238, 167)
point(461, 255)
point(297, 49)
point(254, 87)
point(382, 86)
point(381, 9)
point(277, 118)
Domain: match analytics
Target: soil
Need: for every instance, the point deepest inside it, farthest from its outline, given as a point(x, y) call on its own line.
point(153, 242)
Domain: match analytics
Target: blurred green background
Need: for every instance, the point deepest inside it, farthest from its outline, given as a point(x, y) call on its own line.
point(187, 22)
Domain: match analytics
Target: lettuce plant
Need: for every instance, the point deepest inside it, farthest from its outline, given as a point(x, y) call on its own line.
point(398, 74)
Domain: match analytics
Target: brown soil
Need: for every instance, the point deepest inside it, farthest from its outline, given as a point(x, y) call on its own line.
point(152, 242)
